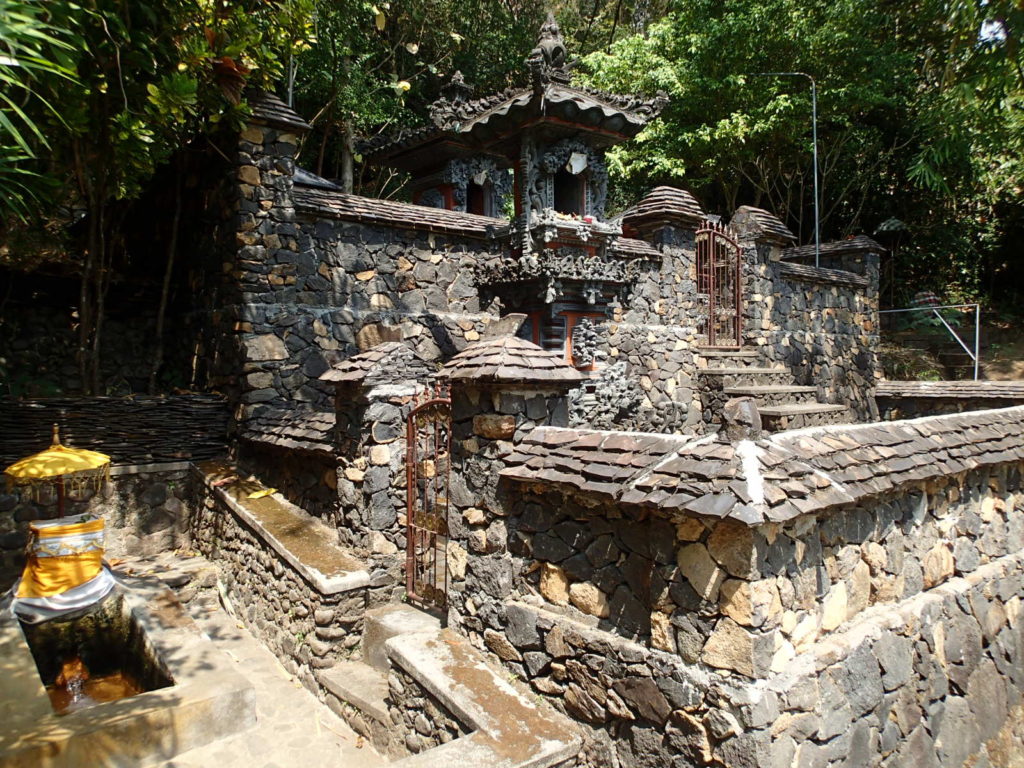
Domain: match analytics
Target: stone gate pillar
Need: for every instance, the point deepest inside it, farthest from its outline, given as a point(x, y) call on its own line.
point(501, 388)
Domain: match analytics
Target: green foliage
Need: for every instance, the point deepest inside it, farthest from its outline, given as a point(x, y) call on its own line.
point(920, 117)
point(378, 66)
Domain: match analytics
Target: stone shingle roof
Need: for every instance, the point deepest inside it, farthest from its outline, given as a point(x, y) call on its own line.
point(383, 363)
point(509, 359)
point(303, 430)
point(665, 205)
point(965, 390)
point(760, 224)
point(771, 480)
point(631, 247)
point(858, 244)
point(328, 203)
point(822, 275)
point(267, 109)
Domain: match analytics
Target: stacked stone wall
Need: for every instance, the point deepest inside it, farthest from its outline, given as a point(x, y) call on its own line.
point(700, 641)
point(892, 408)
point(145, 508)
point(419, 719)
point(313, 290)
point(307, 479)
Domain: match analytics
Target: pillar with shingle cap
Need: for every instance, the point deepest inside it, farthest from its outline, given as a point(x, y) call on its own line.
point(501, 388)
point(374, 392)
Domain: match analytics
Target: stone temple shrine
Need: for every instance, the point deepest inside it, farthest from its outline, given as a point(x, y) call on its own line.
point(559, 488)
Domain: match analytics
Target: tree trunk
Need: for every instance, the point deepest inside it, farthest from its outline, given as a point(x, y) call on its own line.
point(165, 288)
point(347, 152)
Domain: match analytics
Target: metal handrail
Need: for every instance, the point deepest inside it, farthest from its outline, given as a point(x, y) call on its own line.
point(935, 311)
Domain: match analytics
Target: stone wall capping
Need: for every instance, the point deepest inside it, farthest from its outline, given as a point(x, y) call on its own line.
point(321, 564)
point(326, 203)
point(968, 390)
point(858, 244)
point(761, 225)
point(812, 274)
point(509, 359)
point(784, 476)
point(507, 728)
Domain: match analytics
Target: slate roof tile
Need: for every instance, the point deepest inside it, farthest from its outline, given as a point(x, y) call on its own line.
point(509, 359)
point(303, 430)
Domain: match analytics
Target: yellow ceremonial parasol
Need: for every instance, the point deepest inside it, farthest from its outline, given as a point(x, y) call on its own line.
point(66, 468)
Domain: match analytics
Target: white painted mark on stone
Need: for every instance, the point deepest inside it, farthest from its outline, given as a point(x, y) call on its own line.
point(750, 460)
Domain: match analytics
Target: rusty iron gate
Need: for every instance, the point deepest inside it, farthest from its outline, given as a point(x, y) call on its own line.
point(719, 285)
point(428, 473)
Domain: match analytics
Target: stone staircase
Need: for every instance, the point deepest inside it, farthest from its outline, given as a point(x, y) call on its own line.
point(783, 404)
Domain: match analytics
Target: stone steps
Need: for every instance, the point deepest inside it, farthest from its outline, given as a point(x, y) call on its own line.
point(381, 624)
point(782, 403)
point(728, 358)
point(775, 394)
point(798, 415)
point(747, 376)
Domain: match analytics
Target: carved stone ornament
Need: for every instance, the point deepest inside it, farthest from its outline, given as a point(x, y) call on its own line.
point(564, 263)
point(549, 61)
point(432, 198)
point(587, 344)
point(480, 169)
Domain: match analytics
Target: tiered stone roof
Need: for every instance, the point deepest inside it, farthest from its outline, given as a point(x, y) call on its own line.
point(338, 205)
point(267, 109)
point(509, 359)
point(772, 480)
point(301, 429)
point(665, 205)
point(760, 224)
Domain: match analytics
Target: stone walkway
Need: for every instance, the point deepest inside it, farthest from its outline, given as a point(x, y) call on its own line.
point(294, 730)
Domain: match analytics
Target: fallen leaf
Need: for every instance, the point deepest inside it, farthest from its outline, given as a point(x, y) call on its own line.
point(261, 494)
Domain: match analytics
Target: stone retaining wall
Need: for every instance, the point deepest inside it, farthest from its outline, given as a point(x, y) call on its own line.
point(305, 627)
point(418, 717)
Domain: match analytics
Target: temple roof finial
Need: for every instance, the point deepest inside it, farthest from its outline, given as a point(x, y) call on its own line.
point(549, 61)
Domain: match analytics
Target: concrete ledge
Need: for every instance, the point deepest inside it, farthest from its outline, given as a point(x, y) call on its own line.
point(510, 731)
point(286, 528)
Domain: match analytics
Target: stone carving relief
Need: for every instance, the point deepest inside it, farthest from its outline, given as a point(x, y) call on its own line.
point(549, 61)
point(432, 198)
point(587, 344)
point(565, 263)
point(610, 399)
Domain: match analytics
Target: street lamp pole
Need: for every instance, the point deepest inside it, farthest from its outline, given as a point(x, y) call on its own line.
point(814, 133)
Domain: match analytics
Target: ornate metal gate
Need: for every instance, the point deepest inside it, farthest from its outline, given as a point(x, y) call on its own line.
point(428, 471)
point(719, 285)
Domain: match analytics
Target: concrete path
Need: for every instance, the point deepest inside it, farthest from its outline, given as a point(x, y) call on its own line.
point(294, 730)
